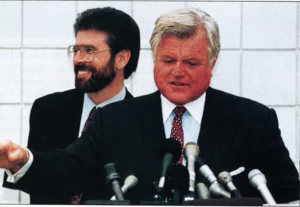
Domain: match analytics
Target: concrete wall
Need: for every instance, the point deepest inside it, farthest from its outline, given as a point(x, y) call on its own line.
point(259, 58)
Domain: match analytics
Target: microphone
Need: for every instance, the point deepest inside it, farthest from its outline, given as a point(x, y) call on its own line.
point(130, 182)
point(258, 180)
point(215, 188)
point(202, 191)
point(191, 153)
point(226, 180)
point(113, 178)
point(171, 151)
point(178, 182)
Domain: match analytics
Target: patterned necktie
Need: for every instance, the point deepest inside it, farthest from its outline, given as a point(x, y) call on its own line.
point(76, 199)
point(89, 119)
point(177, 132)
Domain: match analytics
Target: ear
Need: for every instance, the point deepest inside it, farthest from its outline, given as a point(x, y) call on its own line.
point(213, 65)
point(122, 59)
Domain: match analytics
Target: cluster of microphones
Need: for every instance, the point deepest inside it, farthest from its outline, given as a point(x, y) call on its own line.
point(177, 183)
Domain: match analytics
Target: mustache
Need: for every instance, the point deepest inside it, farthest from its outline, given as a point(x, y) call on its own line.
point(79, 67)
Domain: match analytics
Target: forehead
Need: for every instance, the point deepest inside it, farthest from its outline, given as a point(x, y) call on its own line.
point(174, 46)
point(92, 37)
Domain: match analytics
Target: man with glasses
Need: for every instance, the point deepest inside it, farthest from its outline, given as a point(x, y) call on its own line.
point(105, 53)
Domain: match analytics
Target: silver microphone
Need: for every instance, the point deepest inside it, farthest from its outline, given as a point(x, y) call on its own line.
point(226, 180)
point(191, 153)
point(130, 182)
point(258, 180)
point(202, 191)
point(215, 188)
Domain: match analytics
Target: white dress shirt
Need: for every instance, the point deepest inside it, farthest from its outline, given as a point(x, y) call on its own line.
point(88, 105)
point(191, 119)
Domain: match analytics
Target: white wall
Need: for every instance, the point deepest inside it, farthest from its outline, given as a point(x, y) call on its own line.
point(259, 58)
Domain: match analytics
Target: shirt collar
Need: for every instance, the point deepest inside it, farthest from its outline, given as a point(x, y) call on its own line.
point(195, 108)
point(90, 103)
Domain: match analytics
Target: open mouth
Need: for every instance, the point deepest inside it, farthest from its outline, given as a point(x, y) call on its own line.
point(82, 73)
point(178, 84)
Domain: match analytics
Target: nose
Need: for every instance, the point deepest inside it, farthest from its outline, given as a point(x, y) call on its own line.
point(77, 58)
point(178, 70)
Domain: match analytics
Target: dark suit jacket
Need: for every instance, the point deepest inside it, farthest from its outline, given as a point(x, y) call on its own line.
point(54, 124)
point(234, 132)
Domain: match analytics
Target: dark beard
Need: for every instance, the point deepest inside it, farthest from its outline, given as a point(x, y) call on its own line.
point(98, 80)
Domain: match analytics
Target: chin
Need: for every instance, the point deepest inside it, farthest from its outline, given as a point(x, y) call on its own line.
point(177, 101)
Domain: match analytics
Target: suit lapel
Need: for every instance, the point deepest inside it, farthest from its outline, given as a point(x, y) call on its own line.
point(128, 94)
point(152, 125)
point(74, 115)
point(210, 141)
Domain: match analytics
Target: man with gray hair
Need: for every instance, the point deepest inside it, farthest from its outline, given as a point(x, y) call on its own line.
point(231, 131)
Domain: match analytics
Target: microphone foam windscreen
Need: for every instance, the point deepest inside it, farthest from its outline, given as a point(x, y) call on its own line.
point(171, 146)
point(178, 177)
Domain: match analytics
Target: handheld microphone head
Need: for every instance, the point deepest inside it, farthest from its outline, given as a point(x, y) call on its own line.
point(202, 191)
point(113, 178)
point(111, 172)
point(130, 182)
point(217, 190)
point(206, 172)
point(258, 180)
point(224, 177)
point(226, 180)
point(191, 149)
point(171, 146)
point(191, 153)
point(178, 183)
point(171, 152)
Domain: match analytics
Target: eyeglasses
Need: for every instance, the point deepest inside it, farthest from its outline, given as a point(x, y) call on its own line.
point(87, 52)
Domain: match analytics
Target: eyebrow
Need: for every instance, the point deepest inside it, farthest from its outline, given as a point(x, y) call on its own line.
point(193, 59)
point(166, 56)
point(87, 45)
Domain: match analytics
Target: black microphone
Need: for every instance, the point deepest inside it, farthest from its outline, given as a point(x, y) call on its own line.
point(178, 182)
point(171, 152)
point(215, 188)
point(226, 180)
point(113, 178)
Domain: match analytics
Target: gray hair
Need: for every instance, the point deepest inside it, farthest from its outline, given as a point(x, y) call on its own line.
point(184, 23)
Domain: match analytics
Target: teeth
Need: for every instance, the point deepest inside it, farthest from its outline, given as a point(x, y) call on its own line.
point(81, 72)
point(178, 84)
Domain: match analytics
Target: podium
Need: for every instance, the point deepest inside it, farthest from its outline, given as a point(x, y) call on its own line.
point(106, 202)
point(225, 202)
point(207, 202)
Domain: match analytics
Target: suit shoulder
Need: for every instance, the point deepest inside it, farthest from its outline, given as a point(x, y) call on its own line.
point(237, 103)
point(134, 103)
point(59, 97)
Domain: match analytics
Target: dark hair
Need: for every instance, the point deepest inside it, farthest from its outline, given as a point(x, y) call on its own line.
point(123, 32)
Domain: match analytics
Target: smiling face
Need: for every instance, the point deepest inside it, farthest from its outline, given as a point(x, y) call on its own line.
point(182, 72)
point(94, 75)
